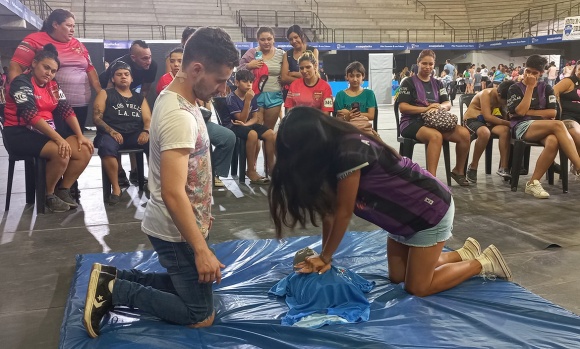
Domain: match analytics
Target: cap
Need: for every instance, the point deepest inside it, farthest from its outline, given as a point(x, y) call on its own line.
point(120, 65)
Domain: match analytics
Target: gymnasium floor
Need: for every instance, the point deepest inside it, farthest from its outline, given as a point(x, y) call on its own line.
point(540, 238)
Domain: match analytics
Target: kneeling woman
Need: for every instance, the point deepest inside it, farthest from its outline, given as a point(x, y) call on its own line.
point(122, 118)
point(34, 102)
point(326, 168)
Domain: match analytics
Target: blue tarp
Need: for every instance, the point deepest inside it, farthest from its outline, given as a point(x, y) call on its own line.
point(479, 313)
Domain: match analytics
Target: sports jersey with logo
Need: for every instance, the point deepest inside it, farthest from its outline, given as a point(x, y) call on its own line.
point(318, 96)
point(27, 103)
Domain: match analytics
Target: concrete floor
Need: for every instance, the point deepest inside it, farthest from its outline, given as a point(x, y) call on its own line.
point(540, 238)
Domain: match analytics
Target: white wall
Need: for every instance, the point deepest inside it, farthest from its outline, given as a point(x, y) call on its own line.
point(493, 58)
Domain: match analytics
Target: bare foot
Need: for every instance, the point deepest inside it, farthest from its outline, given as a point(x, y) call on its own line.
point(253, 175)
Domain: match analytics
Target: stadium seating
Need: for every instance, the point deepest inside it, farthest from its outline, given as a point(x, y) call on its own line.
point(361, 21)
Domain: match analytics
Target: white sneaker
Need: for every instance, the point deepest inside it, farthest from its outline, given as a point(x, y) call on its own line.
point(493, 264)
point(470, 250)
point(573, 172)
point(504, 173)
point(536, 189)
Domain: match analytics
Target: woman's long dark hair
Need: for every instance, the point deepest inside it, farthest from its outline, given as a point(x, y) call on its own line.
point(304, 178)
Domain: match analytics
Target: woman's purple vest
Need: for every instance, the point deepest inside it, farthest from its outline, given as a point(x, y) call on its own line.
point(421, 100)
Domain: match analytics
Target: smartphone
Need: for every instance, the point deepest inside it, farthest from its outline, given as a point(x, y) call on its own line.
point(259, 55)
point(355, 105)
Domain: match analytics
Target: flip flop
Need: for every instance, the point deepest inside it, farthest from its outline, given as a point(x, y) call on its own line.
point(261, 181)
point(460, 179)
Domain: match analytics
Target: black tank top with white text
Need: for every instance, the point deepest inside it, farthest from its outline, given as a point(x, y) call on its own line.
point(123, 114)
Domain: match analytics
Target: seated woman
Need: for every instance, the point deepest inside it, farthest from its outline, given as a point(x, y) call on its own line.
point(532, 107)
point(568, 92)
point(243, 121)
point(33, 102)
point(421, 94)
point(310, 90)
point(122, 118)
point(356, 104)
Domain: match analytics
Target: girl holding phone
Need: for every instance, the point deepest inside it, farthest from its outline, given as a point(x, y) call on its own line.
point(266, 54)
point(356, 104)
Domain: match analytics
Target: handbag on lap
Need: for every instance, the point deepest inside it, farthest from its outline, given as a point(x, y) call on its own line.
point(440, 119)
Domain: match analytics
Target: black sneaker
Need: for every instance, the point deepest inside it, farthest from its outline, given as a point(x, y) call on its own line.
point(134, 178)
point(114, 199)
point(55, 204)
point(122, 177)
point(64, 195)
point(75, 192)
point(98, 302)
point(109, 269)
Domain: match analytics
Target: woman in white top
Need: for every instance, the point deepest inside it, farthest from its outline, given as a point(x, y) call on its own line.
point(270, 97)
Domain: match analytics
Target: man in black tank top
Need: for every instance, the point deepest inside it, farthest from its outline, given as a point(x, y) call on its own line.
point(122, 118)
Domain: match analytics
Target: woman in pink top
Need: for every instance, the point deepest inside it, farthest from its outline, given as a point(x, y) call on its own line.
point(76, 75)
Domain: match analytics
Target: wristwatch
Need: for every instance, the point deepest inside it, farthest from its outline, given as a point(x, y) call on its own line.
point(146, 131)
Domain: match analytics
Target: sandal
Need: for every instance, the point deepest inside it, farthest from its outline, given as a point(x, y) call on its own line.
point(460, 179)
point(260, 181)
point(472, 175)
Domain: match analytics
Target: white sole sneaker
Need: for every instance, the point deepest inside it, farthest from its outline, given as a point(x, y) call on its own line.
point(471, 249)
point(536, 190)
point(89, 301)
point(498, 261)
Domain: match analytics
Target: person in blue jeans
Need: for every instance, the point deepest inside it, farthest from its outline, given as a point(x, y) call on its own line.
point(178, 217)
point(224, 142)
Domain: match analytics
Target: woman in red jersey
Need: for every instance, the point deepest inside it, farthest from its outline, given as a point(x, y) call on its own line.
point(34, 101)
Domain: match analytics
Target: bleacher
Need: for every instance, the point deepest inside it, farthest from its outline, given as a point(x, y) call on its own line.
point(145, 19)
point(475, 14)
point(350, 21)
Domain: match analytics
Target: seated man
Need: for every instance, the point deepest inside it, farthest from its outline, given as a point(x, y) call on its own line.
point(122, 118)
point(532, 108)
point(481, 122)
point(243, 121)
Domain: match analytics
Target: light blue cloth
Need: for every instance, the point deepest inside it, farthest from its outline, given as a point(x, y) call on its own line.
point(336, 297)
